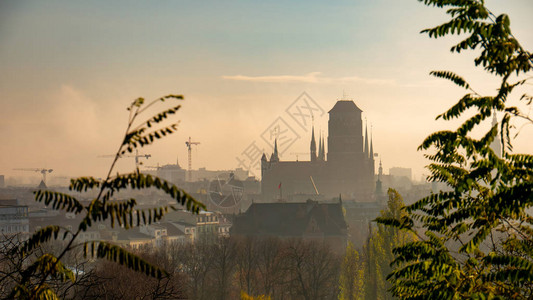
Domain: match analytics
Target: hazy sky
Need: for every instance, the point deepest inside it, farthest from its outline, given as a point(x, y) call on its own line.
point(68, 69)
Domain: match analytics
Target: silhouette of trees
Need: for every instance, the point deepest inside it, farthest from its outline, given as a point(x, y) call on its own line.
point(312, 270)
point(248, 265)
point(270, 267)
point(379, 249)
point(223, 268)
point(194, 261)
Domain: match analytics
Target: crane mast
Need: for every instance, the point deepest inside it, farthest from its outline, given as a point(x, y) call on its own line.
point(189, 144)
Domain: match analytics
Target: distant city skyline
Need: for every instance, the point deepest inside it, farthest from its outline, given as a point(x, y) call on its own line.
point(70, 69)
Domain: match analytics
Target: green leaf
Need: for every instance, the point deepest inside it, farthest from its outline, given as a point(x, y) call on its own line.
point(38, 238)
point(122, 257)
point(59, 201)
point(458, 80)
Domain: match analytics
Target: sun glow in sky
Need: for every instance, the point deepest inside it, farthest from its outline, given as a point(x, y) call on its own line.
point(68, 70)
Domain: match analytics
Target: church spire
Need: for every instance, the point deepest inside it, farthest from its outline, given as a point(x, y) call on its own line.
point(320, 147)
point(372, 166)
point(313, 145)
point(275, 156)
point(371, 145)
point(323, 154)
point(366, 138)
point(379, 184)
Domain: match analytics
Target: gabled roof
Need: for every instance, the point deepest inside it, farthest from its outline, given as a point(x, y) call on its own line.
point(132, 234)
point(183, 223)
point(172, 230)
point(290, 219)
point(345, 106)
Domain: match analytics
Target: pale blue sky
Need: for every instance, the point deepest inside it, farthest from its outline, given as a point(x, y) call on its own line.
point(72, 65)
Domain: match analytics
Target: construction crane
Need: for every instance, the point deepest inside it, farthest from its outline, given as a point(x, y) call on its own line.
point(314, 185)
point(153, 167)
point(136, 156)
point(43, 171)
point(189, 144)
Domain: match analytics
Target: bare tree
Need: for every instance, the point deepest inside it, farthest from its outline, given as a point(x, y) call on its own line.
point(247, 264)
point(271, 266)
point(224, 264)
point(13, 262)
point(194, 261)
point(113, 281)
point(313, 270)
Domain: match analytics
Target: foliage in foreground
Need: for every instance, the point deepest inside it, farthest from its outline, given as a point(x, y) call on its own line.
point(32, 279)
point(351, 283)
point(476, 241)
point(378, 251)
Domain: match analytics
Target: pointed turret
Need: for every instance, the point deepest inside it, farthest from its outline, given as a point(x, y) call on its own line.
point(320, 147)
point(313, 145)
point(264, 165)
point(42, 185)
point(366, 139)
point(276, 148)
point(371, 148)
point(322, 151)
point(372, 166)
point(379, 184)
point(275, 155)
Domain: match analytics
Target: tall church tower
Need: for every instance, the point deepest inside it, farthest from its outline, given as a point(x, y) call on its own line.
point(349, 156)
point(348, 169)
point(345, 127)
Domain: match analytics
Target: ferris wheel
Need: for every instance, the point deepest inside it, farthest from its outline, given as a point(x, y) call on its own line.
point(226, 191)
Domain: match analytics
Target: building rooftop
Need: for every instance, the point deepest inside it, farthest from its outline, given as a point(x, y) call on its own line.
point(290, 219)
point(132, 234)
point(8, 202)
point(345, 106)
point(172, 230)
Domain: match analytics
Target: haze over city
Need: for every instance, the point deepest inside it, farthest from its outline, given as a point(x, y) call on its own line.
point(69, 70)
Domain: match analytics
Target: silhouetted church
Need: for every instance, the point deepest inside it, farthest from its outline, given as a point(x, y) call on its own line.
point(348, 170)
